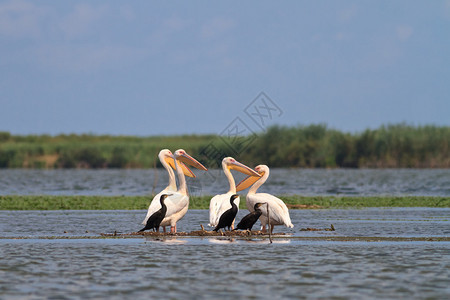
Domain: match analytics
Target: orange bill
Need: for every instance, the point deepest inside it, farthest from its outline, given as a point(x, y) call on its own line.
point(186, 170)
point(243, 169)
point(187, 159)
point(247, 182)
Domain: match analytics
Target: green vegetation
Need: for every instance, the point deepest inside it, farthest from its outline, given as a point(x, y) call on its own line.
point(313, 146)
point(391, 146)
point(89, 151)
point(73, 202)
point(142, 202)
point(372, 201)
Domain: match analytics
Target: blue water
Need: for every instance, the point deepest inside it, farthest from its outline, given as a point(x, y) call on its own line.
point(203, 268)
point(386, 222)
point(58, 254)
point(307, 182)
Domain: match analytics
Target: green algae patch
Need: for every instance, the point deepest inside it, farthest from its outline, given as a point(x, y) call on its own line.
point(73, 202)
point(43, 202)
point(366, 201)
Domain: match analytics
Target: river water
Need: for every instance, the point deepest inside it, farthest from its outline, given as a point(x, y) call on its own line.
point(307, 182)
point(59, 255)
point(38, 260)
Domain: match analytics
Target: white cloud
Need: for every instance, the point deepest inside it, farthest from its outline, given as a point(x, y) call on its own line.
point(19, 19)
point(216, 27)
point(347, 14)
point(54, 37)
point(384, 52)
point(447, 8)
point(82, 19)
point(342, 36)
point(404, 32)
point(166, 30)
point(88, 57)
point(173, 24)
point(127, 13)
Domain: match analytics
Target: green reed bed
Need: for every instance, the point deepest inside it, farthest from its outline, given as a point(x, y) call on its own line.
point(312, 146)
point(142, 202)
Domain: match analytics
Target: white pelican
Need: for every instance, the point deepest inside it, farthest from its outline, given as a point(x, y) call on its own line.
point(165, 156)
point(220, 203)
point(279, 214)
point(167, 160)
point(178, 202)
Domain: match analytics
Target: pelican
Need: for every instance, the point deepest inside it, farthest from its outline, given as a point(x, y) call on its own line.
point(220, 203)
point(178, 202)
point(167, 160)
point(279, 214)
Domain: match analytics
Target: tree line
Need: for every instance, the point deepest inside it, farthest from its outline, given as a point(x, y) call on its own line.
point(311, 146)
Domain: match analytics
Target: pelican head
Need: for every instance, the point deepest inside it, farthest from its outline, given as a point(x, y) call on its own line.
point(261, 170)
point(232, 164)
point(166, 155)
point(183, 158)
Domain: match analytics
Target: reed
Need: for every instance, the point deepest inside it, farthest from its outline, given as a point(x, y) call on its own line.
point(392, 146)
point(313, 146)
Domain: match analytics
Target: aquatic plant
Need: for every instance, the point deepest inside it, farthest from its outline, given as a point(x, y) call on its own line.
point(43, 202)
point(312, 146)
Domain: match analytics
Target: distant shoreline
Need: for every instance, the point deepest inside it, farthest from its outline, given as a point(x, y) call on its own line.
point(43, 202)
point(312, 146)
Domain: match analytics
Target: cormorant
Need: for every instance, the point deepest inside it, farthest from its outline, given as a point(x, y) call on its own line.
point(227, 218)
point(156, 219)
point(249, 220)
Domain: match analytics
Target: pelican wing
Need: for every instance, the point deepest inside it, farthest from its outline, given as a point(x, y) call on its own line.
point(154, 206)
point(214, 206)
point(279, 213)
point(176, 203)
point(218, 205)
point(177, 206)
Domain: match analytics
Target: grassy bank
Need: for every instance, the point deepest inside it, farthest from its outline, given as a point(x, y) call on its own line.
point(312, 146)
point(142, 202)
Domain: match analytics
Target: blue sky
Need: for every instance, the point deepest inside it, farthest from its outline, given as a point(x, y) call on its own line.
point(192, 67)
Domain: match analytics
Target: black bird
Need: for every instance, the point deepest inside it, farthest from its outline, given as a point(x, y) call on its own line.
point(156, 219)
point(227, 218)
point(249, 220)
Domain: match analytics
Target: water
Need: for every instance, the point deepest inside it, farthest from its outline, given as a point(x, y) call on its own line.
point(386, 222)
point(204, 268)
point(308, 182)
point(58, 254)
point(139, 269)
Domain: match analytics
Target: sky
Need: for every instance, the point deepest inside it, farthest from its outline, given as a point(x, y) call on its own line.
point(198, 67)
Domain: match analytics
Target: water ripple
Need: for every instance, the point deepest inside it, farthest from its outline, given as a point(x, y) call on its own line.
point(205, 268)
point(308, 182)
point(132, 268)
